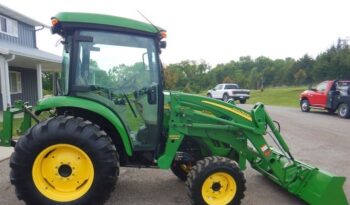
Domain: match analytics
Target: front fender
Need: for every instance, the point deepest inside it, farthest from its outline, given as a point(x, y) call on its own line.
point(66, 101)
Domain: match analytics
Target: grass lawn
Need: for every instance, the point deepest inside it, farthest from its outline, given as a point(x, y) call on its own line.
point(280, 96)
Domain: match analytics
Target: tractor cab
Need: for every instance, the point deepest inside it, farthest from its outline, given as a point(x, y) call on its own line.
point(116, 66)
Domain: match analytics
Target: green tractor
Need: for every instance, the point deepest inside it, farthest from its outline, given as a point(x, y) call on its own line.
point(111, 111)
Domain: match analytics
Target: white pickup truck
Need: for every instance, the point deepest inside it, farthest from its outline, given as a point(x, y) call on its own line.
point(229, 91)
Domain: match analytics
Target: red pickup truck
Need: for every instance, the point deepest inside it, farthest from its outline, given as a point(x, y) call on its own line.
point(331, 95)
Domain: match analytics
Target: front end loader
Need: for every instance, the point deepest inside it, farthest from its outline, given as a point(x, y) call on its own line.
point(111, 111)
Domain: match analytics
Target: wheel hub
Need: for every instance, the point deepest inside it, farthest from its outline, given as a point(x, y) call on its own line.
point(304, 106)
point(343, 110)
point(63, 172)
point(216, 186)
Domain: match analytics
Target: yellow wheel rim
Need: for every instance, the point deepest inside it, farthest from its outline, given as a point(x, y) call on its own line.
point(219, 189)
point(63, 172)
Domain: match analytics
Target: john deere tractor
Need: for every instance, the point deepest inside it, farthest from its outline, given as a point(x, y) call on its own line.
point(111, 111)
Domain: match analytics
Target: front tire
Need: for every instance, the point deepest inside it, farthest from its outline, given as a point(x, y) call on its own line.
point(209, 95)
point(344, 110)
point(305, 105)
point(215, 180)
point(225, 97)
point(64, 160)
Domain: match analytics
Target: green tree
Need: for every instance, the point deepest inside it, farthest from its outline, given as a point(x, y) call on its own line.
point(192, 76)
point(334, 63)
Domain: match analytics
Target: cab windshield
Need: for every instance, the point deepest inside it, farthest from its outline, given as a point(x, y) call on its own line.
point(116, 61)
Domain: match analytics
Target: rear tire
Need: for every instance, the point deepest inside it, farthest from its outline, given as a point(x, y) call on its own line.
point(64, 160)
point(344, 110)
point(305, 105)
point(215, 180)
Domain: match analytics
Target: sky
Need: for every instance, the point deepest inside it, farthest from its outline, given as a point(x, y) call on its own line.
point(215, 31)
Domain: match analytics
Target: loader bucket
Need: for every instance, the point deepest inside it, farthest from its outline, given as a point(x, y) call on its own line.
point(314, 186)
point(323, 188)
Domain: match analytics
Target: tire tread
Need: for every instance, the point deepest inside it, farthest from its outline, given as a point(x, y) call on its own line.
point(83, 134)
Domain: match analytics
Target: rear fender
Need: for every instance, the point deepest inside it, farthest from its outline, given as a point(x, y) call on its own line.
point(66, 101)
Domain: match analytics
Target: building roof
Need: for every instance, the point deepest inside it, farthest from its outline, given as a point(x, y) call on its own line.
point(76, 17)
point(20, 17)
point(28, 57)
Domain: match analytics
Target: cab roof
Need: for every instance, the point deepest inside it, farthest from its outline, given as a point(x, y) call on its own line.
point(101, 19)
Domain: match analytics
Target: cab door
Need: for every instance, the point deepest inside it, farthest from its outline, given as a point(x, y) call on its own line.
point(319, 98)
point(122, 72)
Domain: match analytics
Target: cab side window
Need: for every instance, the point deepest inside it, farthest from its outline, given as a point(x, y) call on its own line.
point(218, 87)
point(321, 87)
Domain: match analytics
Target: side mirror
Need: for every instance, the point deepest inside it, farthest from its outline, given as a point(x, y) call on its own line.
point(214, 89)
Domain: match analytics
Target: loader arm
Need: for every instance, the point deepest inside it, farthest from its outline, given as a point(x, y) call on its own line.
point(212, 120)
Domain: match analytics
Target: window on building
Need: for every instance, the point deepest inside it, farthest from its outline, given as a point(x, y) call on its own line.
point(15, 82)
point(8, 26)
point(3, 24)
